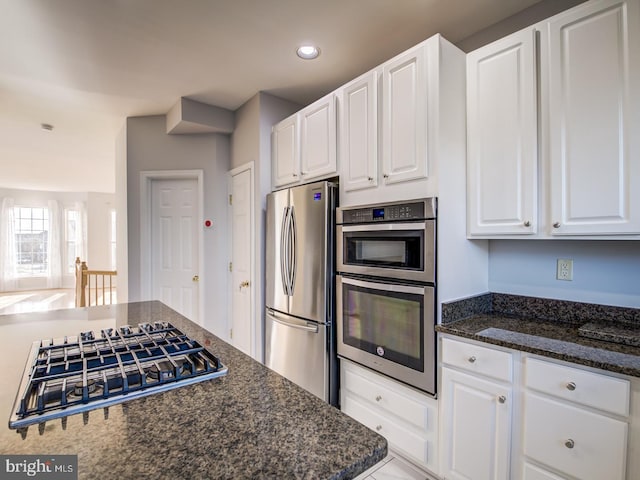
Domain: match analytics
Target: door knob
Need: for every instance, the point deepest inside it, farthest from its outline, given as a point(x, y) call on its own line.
point(195, 278)
point(244, 284)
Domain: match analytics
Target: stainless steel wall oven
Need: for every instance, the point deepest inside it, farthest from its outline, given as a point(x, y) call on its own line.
point(386, 289)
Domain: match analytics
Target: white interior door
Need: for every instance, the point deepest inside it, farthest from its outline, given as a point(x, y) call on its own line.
point(174, 244)
point(242, 289)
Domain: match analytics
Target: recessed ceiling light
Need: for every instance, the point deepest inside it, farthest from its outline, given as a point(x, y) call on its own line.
point(308, 52)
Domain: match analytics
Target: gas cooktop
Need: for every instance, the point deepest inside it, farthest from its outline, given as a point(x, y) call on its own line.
point(88, 371)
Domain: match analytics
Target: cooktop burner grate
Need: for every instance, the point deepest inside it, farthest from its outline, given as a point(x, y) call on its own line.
point(84, 372)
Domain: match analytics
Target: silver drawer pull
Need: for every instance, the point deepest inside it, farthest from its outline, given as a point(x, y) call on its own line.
point(556, 225)
point(527, 223)
point(379, 427)
point(571, 386)
point(569, 443)
point(378, 398)
point(472, 359)
point(502, 399)
point(370, 179)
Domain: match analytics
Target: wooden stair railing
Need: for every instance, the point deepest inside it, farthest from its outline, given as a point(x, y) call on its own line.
point(93, 287)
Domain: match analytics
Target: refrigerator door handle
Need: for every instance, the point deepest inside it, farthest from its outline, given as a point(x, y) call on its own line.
point(284, 234)
point(307, 326)
point(294, 251)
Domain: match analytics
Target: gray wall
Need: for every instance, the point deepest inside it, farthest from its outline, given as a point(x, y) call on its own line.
point(251, 142)
point(150, 148)
point(606, 271)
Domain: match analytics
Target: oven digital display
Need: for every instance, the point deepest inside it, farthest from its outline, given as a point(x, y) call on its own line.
point(378, 213)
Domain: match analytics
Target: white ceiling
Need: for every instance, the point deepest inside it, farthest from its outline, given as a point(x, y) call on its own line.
point(85, 65)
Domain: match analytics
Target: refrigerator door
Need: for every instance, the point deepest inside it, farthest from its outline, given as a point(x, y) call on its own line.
point(312, 240)
point(276, 271)
point(297, 350)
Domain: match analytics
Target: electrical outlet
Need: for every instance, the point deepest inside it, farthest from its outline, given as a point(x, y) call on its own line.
point(565, 269)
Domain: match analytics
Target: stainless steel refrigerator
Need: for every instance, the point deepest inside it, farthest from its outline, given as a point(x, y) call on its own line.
point(299, 291)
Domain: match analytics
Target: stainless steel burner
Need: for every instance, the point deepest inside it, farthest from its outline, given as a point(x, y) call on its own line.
point(77, 374)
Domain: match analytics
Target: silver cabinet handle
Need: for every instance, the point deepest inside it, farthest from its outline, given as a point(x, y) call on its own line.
point(295, 175)
point(527, 223)
point(571, 386)
point(569, 443)
point(472, 359)
point(556, 225)
point(370, 179)
point(378, 398)
point(379, 427)
point(385, 175)
point(502, 399)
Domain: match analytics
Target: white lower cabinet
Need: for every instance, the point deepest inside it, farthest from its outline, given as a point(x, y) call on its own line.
point(476, 412)
point(574, 420)
point(405, 417)
point(510, 415)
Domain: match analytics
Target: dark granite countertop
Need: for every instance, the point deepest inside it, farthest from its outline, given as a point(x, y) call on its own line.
point(571, 338)
point(251, 423)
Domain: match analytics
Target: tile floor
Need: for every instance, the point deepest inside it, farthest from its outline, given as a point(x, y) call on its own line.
point(394, 467)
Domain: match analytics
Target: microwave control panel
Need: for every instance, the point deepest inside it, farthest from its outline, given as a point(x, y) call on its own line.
point(419, 210)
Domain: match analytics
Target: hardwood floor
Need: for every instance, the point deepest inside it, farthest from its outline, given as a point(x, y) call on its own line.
point(36, 301)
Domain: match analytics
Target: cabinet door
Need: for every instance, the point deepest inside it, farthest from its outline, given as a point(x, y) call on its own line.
point(476, 430)
point(594, 119)
point(502, 137)
point(285, 153)
point(404, 117)
point(359, 133)
point(318, 139)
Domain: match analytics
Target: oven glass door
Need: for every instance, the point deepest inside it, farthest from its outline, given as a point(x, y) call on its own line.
point(388, 327)
point(396, 250)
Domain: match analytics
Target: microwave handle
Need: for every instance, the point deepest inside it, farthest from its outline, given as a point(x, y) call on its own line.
point(384, 227)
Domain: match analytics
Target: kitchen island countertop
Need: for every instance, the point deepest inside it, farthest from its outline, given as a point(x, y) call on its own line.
point(250, 423)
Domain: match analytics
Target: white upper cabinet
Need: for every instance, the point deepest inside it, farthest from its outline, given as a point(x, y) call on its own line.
point(584, 181)
point(304, 145)
point(594, 119)
point(286, 153)
point(358, 126)
point(318, 139)
point(404, 116)
point(502, 155)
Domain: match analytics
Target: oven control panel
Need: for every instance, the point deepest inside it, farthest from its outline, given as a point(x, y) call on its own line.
point(417, 210)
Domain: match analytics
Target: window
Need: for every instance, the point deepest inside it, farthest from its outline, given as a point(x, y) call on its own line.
point(32, 238)
point(72, 239)
point(112, 238)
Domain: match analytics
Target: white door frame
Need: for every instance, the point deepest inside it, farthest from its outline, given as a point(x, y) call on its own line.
point(146, 177)
point(252, 243)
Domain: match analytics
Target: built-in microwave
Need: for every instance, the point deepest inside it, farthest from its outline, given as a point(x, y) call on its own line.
point(394, 240)
point(388, 326)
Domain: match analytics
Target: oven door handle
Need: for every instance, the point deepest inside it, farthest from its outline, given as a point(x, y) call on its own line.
point(385, 227)
point(387, 287)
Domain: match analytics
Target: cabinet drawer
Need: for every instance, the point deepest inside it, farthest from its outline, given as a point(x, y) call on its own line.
point(573, 440)
point(391, 398)
point(400, 438)
point(477, 359)
point(586, 388)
